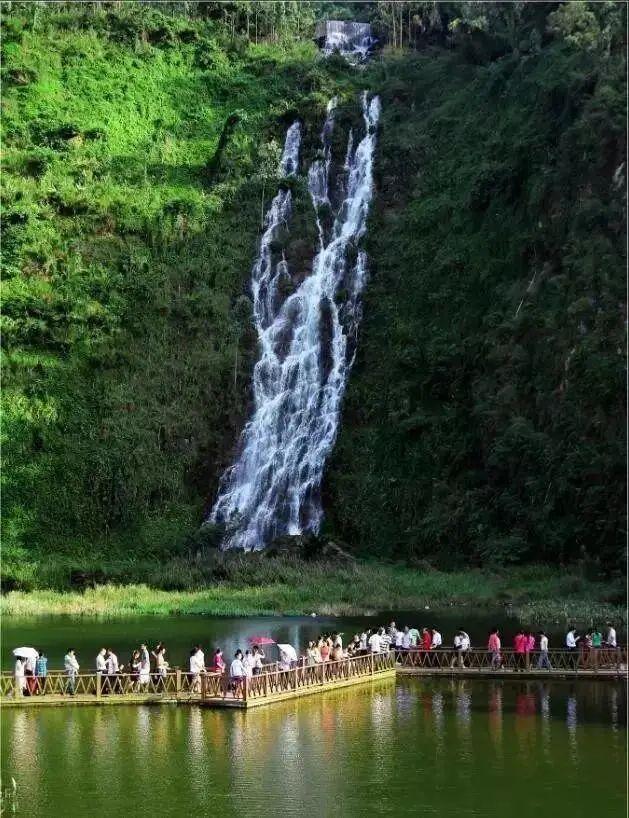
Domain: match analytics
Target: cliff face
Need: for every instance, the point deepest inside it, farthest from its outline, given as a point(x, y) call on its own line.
point(484, 418)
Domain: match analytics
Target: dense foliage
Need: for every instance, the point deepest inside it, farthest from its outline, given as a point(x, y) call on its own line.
point(483, 421)
point(128, 240)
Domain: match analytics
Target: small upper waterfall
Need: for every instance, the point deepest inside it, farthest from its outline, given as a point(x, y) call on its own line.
point(353, 40)
point(307, 344)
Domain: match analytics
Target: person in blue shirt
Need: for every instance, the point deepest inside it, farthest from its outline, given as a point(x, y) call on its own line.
point(41, 671)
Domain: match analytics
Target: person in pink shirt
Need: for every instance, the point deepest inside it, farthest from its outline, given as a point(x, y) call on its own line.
point(520, 644)
point(493, 646)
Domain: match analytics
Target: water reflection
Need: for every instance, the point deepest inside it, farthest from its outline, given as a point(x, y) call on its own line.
point(415, 741)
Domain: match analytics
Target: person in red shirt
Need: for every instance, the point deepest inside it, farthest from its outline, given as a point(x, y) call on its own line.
point(520, 645)
point(493, 646)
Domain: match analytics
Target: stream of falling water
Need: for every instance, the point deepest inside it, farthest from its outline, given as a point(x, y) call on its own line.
point(307, 344)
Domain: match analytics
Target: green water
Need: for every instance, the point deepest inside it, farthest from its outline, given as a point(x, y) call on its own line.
point(411, 747)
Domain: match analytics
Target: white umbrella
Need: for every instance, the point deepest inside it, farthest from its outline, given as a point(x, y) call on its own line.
point(289, 652)
point(26, 653)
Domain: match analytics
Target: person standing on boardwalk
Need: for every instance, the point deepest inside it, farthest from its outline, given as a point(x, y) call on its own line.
point(218, 663)
point(161, 665)
point(41, 671)
point(258, 656)
point(18, 675)
point(197, 667)
point(610, 636)
point(29, 672)
point(543, 661)
point(571, 644)
point(71, 666)
point(597, 638)
point(520, 643)
point(113, 668)
point(494, 646)
point(237, 673)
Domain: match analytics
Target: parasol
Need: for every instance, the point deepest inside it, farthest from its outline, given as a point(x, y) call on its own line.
point(260, 640)
point(289, 652)
point(26, 653)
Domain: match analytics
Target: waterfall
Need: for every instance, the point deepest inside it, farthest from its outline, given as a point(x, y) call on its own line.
point(307, 345)
point(351, 39)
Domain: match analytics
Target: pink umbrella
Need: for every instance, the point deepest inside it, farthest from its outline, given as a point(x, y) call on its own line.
point(261, 640)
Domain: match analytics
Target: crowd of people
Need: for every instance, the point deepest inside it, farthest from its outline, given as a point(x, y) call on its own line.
point(143, 665)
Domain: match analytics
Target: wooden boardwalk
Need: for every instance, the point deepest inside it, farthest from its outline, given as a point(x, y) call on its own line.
point(274, 685)
point(206, 690)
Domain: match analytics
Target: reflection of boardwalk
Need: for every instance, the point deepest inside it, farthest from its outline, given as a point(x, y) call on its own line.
point(605, 663)
point(209, 689)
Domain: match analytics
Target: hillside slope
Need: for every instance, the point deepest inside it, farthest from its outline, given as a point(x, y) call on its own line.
point(484, 420)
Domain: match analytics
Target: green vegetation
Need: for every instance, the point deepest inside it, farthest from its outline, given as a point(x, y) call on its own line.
point(483, 423)
point(256, 584)
point(128, 240)
point(484, 419)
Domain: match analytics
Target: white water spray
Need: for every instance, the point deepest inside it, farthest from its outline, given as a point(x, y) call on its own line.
point(307, 345)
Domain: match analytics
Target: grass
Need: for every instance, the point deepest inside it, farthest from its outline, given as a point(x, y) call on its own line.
point(258, 585)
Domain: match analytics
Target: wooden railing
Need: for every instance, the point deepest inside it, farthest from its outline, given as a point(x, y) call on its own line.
point(595, 659)
point(317, 675)
point(177, 684)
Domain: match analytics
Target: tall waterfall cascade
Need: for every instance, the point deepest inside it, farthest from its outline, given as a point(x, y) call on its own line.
point(307, 342)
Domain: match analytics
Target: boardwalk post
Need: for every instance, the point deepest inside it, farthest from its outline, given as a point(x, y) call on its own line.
point(595, 659)
point(295, 677)
point(177, 680)
point(98, 685)
point(245, 689)
point(203, 685)
point(371, 663)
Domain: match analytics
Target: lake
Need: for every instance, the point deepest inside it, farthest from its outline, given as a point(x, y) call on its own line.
point(55, 634)
point(414, 747)
point(406, 747)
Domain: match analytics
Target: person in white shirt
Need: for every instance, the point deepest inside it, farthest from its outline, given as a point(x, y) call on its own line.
point(363, 640)
point(197, 667)
point(399, 636)
point(101, 664)
point(543, 661)
point(436, 639)
point(337, 640)
point(18, 673)
point(238, 673)
point(374, 642)
point(71, 666)
point(385, 641)
point(610, 637)
point(258, 656)
point(407, 639)
point(458, 656)
point(571, 644)
point(248, 664)
point(111, 663)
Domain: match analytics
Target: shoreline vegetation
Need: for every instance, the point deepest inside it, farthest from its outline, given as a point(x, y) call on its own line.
point(250, 585)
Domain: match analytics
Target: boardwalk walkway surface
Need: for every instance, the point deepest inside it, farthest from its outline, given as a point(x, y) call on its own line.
point(214, 689)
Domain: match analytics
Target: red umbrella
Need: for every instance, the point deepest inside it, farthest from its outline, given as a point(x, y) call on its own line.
point(261, 640)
